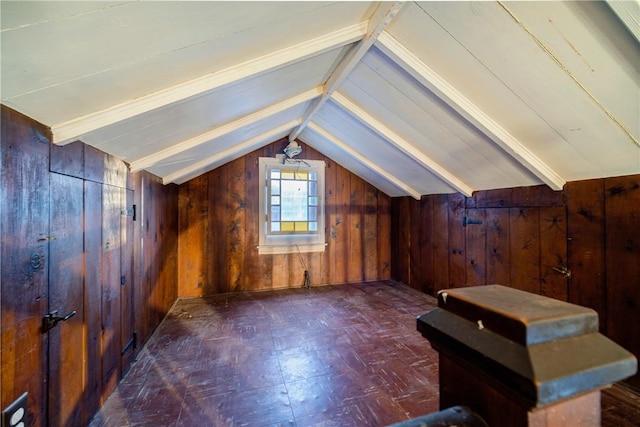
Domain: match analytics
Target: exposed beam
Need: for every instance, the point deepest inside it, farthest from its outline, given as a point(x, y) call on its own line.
point(385, 13)
point(364, 161)
point(185, 174)
point(629, 13)
point(478, 118)
point(158, 157)
point(403, 145)
point(71, 130)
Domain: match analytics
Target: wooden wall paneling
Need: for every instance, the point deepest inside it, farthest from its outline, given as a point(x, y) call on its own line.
point(476, 247)
point(622, 213)
point(235, 224)
point(94, 164)
point(524, 249)
point(217, 242)
point(24, 252)
point(536, 196)
point(457, 245)
point(384, 236)
point(170, 244)
point(416, 277)
point(68, 159)
point(400, 239)
point(586, 251)
point(127, 283)
point(498, 248)
point(440, 242)
point(330, 218)
point(110, 284)
point(194, 226)
point(370, 242)
point(341, 241)
point(501, 198)
point(356, 253)
point(254, 265)
point(92, 295)
point(66, 294)
point(553, 252)
point(425, 242)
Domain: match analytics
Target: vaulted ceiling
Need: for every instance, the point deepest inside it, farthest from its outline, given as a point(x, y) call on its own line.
point(416, 98)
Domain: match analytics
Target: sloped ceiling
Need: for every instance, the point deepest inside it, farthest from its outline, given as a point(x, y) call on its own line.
point(416, 98)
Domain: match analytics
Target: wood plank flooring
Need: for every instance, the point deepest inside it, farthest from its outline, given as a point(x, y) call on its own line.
point(346, 355)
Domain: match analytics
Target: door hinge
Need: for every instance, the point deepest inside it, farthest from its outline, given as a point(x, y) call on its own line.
point(129, 212)
point(466, 221)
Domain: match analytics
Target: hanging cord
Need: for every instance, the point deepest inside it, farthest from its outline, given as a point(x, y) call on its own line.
point(307, 277)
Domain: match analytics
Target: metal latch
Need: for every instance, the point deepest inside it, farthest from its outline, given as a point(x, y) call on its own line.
point(50, 320)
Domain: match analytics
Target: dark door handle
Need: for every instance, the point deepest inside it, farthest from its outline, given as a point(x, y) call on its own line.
point(50, 320)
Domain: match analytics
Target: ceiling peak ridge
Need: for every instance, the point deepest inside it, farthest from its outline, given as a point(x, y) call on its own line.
point(398, 53)
point(381, 18)
point(71, 130)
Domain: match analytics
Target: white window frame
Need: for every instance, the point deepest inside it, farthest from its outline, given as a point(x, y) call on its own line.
point(283, 243)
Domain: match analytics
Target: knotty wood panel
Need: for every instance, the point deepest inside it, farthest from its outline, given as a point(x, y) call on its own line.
point(92, 295)
point(357, 220)
point(497, 246)
point(553, 252)
point(400, 215)
point(457, 245)
point(524, 249)
point(127, 284)
point(476, 247)
point(622, 213)
point(24, 253)
point(440, 242)
point(426, 243)
point(66, 294)
point(416, 279)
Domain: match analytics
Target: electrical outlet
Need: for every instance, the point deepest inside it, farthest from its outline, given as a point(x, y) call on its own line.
point(15, 415)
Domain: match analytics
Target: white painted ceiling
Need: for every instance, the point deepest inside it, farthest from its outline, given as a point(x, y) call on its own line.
point(416, 98)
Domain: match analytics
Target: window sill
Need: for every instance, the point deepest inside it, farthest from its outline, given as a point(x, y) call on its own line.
point(291, 249)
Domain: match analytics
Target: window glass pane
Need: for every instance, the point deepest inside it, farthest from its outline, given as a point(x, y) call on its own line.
point(301, 226)
point(275, 226)
point(287, 175)
point(313, 188)
point(275, 213)
point(275, 173)
point(302, 175)
point(275, 200)
point(313, 213)
point(294, 201)
point(287, 226)
point(313, 226)
point(275, 186)
point(313, 176)
point(313, 201)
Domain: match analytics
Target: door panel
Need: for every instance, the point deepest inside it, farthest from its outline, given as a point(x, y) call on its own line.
point(127, 340)
point(110, 286)
point(66, 293)
point(24, 254)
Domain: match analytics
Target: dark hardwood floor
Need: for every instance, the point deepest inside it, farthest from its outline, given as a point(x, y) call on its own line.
point(345, 355)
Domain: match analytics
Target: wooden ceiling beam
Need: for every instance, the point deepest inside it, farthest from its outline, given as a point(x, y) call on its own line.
point(72, 130)
point(472, 113)
point(384, 14)
point(403, 145)
point(158, 157)
point(374, 167)
point(232, 153)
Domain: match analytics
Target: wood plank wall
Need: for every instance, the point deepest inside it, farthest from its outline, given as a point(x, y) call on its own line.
point(591, 227)
point(118, 274)
point(218, 231)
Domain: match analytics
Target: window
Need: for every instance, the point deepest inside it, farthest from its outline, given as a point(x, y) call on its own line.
point(291, 205)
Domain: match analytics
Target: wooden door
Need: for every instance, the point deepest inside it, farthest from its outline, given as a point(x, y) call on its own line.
point(66, 294)
point(520, 247)
point(24, 254)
